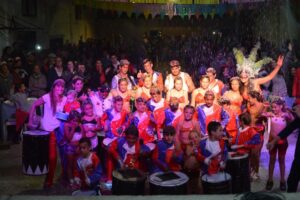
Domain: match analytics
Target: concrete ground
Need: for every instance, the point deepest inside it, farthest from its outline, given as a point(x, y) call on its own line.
point(13, 182)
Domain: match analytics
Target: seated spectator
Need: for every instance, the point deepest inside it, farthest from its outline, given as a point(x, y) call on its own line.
point(37, 83)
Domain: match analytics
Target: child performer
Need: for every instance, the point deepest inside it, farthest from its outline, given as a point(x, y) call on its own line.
point(72, 135)
point(279, 118)
point(88, 169)
point(127, 150)
point(209, 111)
point(167, 156)
point(72, 103)
point(101, 101)
point(90, 124)
point(157, 105)
point(212, 151)
point(114, 120)
point(185, 126)
point(232, 118)
point(179, 93)
point(141, 120)
point(247, 136)
point(173, 114)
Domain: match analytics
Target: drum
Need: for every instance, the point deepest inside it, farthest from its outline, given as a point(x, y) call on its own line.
point(168, 183)
point(62, 116)
point(128, 182)
point(238, 168)
point(35, 152)
point(219, 183)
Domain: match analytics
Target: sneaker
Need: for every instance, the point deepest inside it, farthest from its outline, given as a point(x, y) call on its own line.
point(282, 186)
point(269, 185)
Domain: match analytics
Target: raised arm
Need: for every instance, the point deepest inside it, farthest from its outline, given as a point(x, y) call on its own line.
point(269, 77)
point(189, 83)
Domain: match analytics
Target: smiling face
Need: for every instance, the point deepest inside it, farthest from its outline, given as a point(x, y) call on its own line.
point(124, 69)
point(188, 114)
point(276, 108)
point(209, 100)
point(204, 83)
point(118, 105)
point(155, 94)
point(178, 85)
point(244, 76)
point(78, 85)
point(123, 86)
point(147, 82)
point(235, 85)
point(175, 70)
point(148, 67)
point(88, 109)
point(140, 106)
point(59, 89)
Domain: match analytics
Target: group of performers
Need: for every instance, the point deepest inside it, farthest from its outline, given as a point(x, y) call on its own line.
point(189, 130)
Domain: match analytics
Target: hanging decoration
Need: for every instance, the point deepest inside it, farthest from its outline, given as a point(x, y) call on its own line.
point(169, 8)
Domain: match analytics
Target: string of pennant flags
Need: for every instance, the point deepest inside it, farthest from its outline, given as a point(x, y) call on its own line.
point(171, 8)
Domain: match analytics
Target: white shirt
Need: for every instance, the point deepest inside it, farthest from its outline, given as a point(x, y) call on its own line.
point(213, 147)
point(208, 110)
point(49, 121)
point(169, 82)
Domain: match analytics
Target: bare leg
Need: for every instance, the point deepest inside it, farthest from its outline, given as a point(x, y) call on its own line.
point(271, 166)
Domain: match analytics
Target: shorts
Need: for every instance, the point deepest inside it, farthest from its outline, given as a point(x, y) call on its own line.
point(281, 148)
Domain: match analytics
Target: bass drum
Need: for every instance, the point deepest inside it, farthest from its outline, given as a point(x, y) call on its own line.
point(35, 152)
point(168, 183)
point(219, 183)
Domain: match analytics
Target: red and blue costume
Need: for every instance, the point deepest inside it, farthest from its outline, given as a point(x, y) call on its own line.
point(88, 171)
point(157, 115)
point(172, 118)
point(249, 137)
point(130, 155)
point(142, 122)
point(114, 121)
point(166, 157)
point(216, 114)
point(204, 152)
point(232, 125)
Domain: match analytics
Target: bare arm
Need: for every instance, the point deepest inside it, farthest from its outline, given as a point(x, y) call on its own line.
point(186, 98)
point(37, 103)
point(168, 96)
point(269, 77)
point(193, 99)
point(189, 83)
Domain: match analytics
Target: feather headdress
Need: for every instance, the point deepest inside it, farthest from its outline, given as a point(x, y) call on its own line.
point(249, 64)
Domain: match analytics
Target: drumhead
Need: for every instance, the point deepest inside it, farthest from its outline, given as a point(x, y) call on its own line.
point(107, 141)
point(236, 156)
point(36, 132)
point(156, 180)
point(131, 175)
point(216, 178)
point(62, 116)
